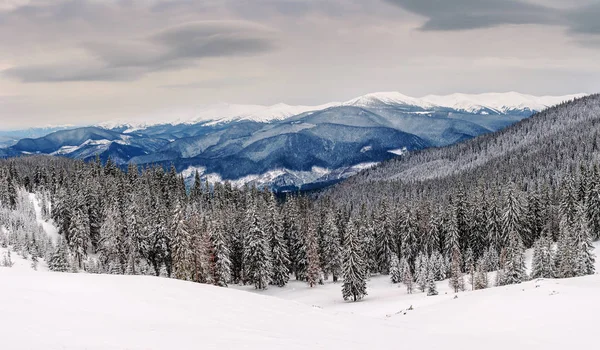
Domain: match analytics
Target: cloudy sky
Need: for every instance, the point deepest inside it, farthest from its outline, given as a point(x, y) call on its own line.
point(86, 61)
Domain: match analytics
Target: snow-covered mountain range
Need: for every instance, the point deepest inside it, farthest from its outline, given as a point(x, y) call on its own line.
point(288, 147)
point(498, 103)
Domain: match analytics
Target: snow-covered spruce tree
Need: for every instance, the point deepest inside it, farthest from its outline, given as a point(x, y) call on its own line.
point(183, 267)
point(220, 256)
point(135, 243)
point(295, 243)
point(496, 236)
point(422, 271)
point(566, 258)
point(79, 233)
point(439, 266)
point(480, 279)
point(569, 202)
point(384, 238)
point(457, 282)
point(593, 210)
point(534, 223)
point(542, 265)
point(470, 264)
point(491, 260)
point(332, 252)
point(34, 262)
point(431, 286)
point(585, 250)
point(59, 260)
point(110, 246)
point(366, 234)
point(432, 242)
point(512, 217)
point(452, 238)
point(395, 273)
point(354, 269)
point(407, 277)
point(408, 235)
point(313, 271)
point(257, 255)
point(280, 274)
point(514, 264)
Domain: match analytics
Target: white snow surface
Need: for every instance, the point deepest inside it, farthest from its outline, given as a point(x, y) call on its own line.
point(81, 311)
point(138, 312)
point(225, 112)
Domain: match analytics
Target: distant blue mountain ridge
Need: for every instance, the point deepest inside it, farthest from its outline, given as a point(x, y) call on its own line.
point(288, 147)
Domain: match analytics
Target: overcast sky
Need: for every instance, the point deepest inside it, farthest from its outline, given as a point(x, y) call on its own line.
point(86, 61)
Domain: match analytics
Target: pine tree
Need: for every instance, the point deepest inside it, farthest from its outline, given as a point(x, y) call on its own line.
point(279, 254)
point(384, 239)
point(543, 265)
point(354, 269)
point(514, 265)
point(407, 277)
point(439, 266)
point(395, 273)
point(456, 276)
point(220, 255)
point(313, 272)
point(182, 245)
point(567, 254)
point(257, 256)
point(332, 252)
point(480, 279)
point(58, 261)
point(512, 218)
point(431, 286)
point(422, 271)
point(79, 233)
point(585, 255)
point(593, 210)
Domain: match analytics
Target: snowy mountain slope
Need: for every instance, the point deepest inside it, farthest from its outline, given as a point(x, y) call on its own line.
point(219, 113)
point(495, 103)
point(89, 142)
point(503, 103)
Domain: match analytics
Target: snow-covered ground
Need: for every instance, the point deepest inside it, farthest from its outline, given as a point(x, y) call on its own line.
point(80, 311)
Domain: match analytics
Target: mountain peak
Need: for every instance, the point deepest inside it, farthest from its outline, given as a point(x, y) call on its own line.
point(387, 98)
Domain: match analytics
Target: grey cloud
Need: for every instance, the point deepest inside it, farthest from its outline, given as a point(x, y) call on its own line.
point(214, 39)
point(474, 14)
point(66, 72)
point(177, 47)
point(585, 20)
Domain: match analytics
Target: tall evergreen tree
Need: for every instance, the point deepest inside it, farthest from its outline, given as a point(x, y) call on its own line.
point(354, 269)
point(182, 245)
point(257, 255)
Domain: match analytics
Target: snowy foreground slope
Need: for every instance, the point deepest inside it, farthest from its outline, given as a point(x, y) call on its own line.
point(81, 311)
point(42, 310)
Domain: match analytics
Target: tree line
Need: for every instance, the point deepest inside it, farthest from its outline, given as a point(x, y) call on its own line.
point(150, 221)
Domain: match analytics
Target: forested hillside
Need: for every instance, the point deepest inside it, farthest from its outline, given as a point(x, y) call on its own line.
point(470, 209)
point(539, 150)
